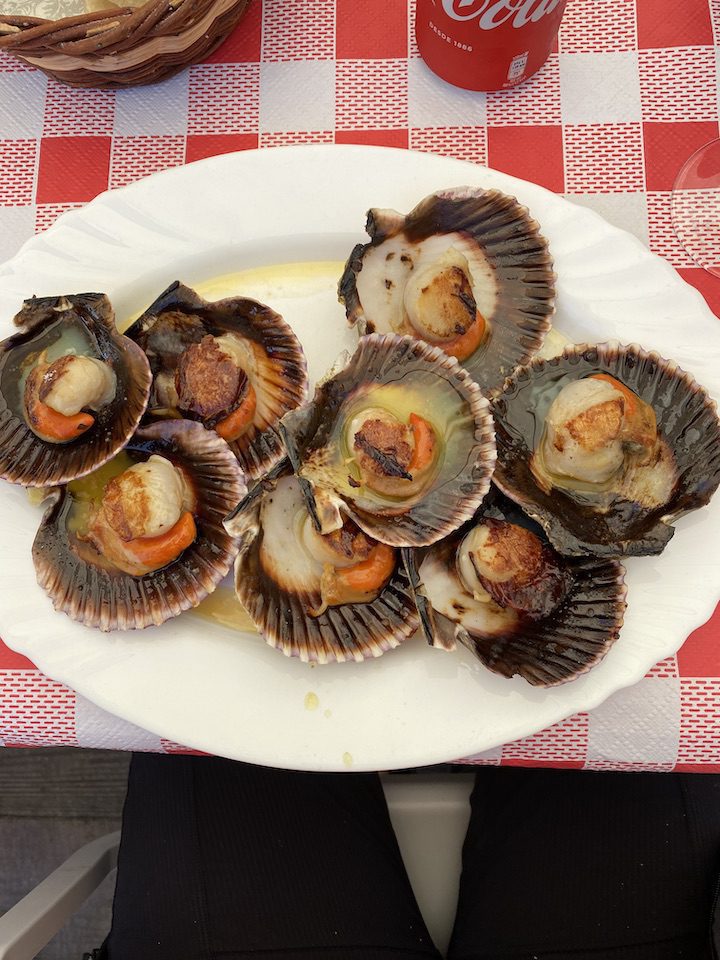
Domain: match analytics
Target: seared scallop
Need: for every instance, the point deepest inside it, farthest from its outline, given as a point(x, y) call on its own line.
point(466, 270)
point(605, 446)
point(234, 365)
point(498, 587)
point(400, 440)
point(142, 539)
point(320, 597)
point(72, 390)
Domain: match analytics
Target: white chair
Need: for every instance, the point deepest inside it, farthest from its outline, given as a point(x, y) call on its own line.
point(30, 924)
point(428, 811)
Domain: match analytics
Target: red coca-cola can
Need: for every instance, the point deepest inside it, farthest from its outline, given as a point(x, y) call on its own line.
point(486, 44)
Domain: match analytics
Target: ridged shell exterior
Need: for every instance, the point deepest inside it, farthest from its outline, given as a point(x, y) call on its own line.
point(576, 639)
point(518, 254)
point(112, 600)
point(687, 420)
point(555, 649)
point(456, 492)
point(24, 457)
point(283, 380)
point(353, 631)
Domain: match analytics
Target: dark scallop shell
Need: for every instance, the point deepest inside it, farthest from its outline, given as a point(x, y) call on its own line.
point(111, 600)
point(509, 240)
point(353, 631)
point(463, 421)
point(280, 380)
point(548, 651)
point(584, 523)
point(89, 317)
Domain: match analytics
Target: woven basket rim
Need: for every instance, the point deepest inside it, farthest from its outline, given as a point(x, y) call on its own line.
point(113, 29)
point(122, 47)
point(89, 17)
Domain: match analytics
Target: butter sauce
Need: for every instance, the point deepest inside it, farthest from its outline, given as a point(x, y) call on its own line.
point(270, 284)
point(87, 492)
point(275, 281)
point(223, 608)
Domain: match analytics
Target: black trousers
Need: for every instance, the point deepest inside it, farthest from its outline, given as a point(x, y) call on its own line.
point(223, 861)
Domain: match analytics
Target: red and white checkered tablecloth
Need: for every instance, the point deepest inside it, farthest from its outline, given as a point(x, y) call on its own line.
point(631, 91)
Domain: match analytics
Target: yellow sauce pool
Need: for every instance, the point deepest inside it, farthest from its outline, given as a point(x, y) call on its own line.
point(270, 284)
point(224, 608)
point(274, 281)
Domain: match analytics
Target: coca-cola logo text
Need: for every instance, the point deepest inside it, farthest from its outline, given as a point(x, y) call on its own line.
point(494, 13)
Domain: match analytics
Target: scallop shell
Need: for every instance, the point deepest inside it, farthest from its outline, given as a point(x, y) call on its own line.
point(584, 523)
point(353, 631)
point(86, 318)
point(395, 370)
point(279, 375)
point(548, 651)
point(513, 282)
point(112, 600)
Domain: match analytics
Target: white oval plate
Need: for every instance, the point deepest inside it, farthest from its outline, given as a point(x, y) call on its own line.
point(227, 693)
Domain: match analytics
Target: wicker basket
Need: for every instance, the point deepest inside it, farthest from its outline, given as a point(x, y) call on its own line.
point(122, 47)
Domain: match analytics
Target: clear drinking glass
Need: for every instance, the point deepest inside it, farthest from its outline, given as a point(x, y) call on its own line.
point(696, 206)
